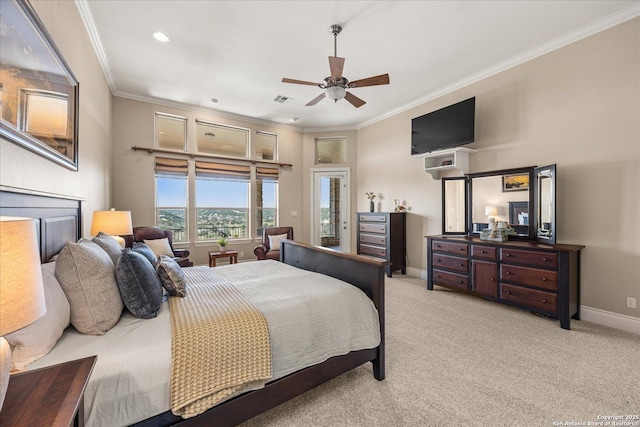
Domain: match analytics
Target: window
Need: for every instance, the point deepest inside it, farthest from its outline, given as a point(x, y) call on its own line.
point(222, 200)
point(266, 145)
point(171, 197)
point(266, 198)
point(222, 140)
point(331, 150)
point(171, 132)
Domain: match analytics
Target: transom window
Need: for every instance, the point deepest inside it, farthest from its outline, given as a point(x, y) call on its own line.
point(331, 150)
point(222, 140)
point(171, 132)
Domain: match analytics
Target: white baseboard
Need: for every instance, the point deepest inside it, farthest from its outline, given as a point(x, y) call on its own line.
point(589, 314)
point(611, 319)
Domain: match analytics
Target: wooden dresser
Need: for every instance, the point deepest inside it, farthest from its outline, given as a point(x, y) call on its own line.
point(383, 235)
point(537, 277)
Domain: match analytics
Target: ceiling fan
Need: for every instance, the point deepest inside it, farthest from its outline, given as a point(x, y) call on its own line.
point(336, 85)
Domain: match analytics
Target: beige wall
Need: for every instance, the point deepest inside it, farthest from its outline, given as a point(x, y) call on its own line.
point(578, 107)
point(133, 177)
point(23, 170)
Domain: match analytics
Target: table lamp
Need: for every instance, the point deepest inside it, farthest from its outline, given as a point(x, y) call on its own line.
point(113, 222)
point(491, 212)
point(21, 291)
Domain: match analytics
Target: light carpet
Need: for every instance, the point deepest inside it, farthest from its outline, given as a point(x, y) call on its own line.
point(457, 360)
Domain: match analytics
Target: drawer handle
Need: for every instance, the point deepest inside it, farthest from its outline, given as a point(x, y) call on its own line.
point(493, 280)
point(508, 273)
point(544, 279)
point(483, 252)
point(438, 277)
point(461, 249)
point(438, 260)
point(544, 300)
point(460, 265)
point(508, 255)
point(508, 292)
point(459, 281)
point(438, 246)
point(544, 259)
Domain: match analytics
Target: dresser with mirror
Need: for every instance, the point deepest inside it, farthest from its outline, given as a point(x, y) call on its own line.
point(527, 270)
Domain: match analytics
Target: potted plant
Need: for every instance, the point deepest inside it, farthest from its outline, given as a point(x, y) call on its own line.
point(223, 241)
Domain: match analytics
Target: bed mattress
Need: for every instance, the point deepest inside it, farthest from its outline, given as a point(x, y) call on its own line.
point(311, 317)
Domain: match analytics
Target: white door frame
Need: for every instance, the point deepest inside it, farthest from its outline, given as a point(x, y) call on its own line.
point(345, 208)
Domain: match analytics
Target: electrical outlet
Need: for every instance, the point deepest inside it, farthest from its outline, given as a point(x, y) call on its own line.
point(631, 302)
point(241, 254)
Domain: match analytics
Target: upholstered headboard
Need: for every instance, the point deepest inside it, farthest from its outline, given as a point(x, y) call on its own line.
point(58, 220)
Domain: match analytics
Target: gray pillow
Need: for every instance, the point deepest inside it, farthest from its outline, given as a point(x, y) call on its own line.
point(145, 250)
point(86, 275)
point(139, 284)
point(171, 276)
point(109, 245)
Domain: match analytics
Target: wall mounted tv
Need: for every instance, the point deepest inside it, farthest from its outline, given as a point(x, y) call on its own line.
point(448, 127)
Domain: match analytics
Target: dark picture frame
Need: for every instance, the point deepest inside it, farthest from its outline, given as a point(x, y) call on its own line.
point(515, 182)
point(38, 92)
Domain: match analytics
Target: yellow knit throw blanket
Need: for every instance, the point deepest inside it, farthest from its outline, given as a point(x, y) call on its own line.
point(220, 345)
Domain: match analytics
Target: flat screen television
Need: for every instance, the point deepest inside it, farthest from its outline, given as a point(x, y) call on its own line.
point(448, 127)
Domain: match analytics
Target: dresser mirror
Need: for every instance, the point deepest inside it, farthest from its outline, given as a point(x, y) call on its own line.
point(454, 205)
point(523, 197)
point(545, 204)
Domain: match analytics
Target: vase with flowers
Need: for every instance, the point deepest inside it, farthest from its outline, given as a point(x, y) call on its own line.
point(371, 196)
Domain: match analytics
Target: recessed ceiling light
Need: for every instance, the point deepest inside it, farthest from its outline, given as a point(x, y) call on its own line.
point(209, 135)
point(162, 37)
point(295, 119)
point(214, 100)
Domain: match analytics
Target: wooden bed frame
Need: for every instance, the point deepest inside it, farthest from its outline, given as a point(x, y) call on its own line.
point(59, 221)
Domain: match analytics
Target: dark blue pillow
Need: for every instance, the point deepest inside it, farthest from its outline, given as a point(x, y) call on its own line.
point(145, 250)
point(139, 284)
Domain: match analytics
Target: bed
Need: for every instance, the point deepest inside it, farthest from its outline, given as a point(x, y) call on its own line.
point(58, 221)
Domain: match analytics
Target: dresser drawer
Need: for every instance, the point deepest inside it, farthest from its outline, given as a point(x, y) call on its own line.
point(541, 300)
point(484, 252)
point(452, 248)
point(373, 251)
point(539, 278)
point(372, 218)
point(450, 279)
point(373, 228)
point(376, 239)
point(536, 258)
point(450, 262)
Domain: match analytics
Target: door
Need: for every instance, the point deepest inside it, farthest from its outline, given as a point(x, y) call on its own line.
point(330, 208)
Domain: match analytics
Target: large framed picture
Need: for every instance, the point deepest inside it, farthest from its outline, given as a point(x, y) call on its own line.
point(515, 182)
point(38, 91)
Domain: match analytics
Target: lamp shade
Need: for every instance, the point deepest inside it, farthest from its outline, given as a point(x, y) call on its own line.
point(490, 210)
point(336, 92)
point(21, 292)
point(113, 222)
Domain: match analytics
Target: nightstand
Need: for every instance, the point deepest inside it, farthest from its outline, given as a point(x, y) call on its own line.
point(50, 396)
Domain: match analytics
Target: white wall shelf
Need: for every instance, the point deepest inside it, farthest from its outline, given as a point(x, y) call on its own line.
point(457, 157)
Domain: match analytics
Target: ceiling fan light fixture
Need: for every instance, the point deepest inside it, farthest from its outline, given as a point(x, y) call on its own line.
point(336, 92)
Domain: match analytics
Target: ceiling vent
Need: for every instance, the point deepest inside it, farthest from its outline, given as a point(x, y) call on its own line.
point(281, 99)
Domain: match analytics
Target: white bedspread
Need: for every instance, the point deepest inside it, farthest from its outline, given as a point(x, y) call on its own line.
point(311, 318)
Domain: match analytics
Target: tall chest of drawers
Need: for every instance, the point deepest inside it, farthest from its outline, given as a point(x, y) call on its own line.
point(540, 278)
point(383, 235)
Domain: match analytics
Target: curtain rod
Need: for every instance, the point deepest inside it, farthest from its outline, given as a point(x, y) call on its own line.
point(211, 156)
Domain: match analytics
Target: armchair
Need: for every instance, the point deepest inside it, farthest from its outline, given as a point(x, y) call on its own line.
point(145, 232)
point(264, 251)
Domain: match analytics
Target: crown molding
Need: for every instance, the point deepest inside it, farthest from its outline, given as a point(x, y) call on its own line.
point(579, 34)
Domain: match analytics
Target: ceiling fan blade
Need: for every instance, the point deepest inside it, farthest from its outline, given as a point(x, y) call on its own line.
point(315, 100)
point(299, 82)
point(336, 64)
point(382, 79)
point(354, 100)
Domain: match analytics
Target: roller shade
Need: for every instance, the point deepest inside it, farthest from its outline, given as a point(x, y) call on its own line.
point(166, 166)
point(223, 171)
point(267, 174)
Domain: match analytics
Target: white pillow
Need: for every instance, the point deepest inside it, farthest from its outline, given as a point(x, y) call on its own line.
point(274, 241)
point(160, 246)
point(37, 339)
